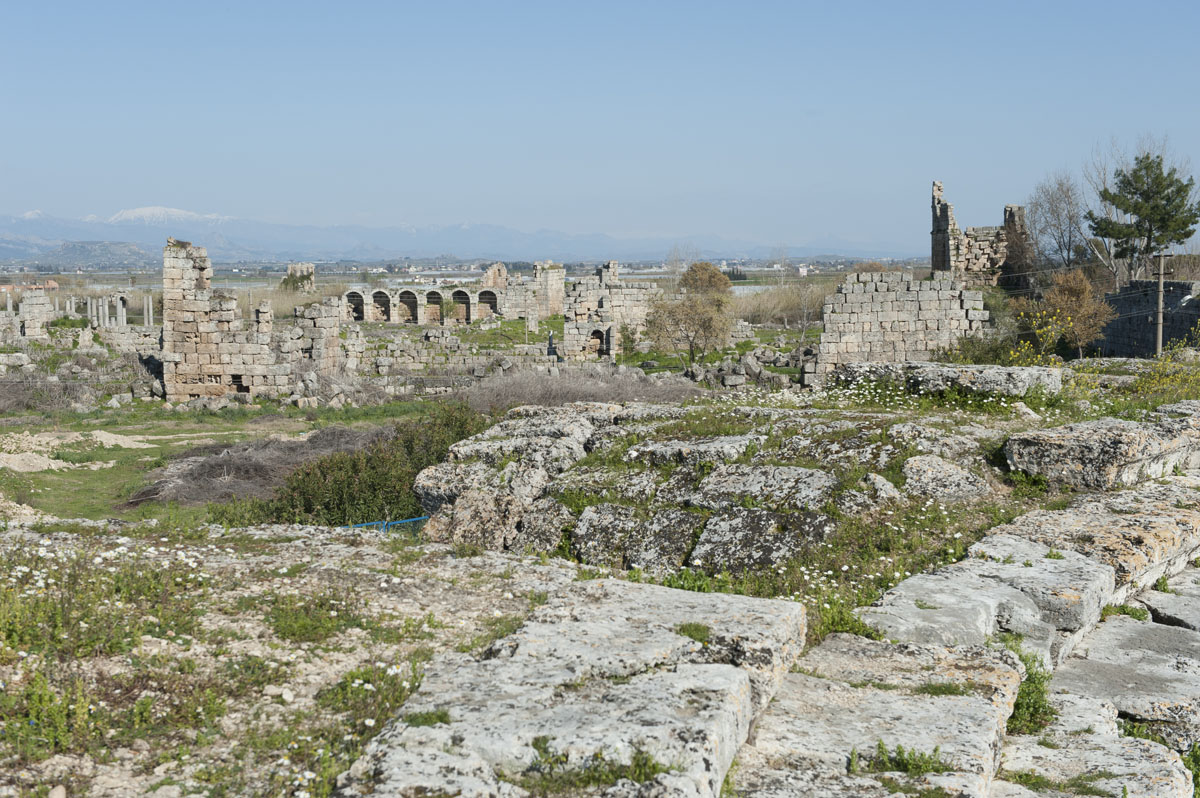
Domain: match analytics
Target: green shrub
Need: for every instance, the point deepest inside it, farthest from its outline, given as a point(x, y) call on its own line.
point(1032, 711)
point(374, 484)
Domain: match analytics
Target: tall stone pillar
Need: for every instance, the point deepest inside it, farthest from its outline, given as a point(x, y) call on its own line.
point(8, 301)
point(120, 308)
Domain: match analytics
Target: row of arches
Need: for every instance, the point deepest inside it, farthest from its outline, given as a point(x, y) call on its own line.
point(419, 307)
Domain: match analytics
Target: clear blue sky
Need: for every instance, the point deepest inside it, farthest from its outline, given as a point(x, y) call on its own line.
point(771, 122)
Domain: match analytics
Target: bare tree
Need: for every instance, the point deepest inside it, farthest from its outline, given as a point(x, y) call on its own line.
point(678, 259)
point(1055, 218)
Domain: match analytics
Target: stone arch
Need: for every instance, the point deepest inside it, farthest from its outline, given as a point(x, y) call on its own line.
point(355, 306)
point(462, 305)
point(433, 307)
point(382, 301)
point(596, 345)
point(406, 307)
point(488, 304)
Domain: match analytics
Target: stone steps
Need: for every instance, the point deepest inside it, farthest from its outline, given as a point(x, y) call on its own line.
point(607, 669)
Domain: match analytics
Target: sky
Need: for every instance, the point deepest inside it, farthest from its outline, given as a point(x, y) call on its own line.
point(775, 123)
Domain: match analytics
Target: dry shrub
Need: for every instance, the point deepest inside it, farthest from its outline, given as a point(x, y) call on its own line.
point(255, 468)
point(22, 392)
point(796, 304)
point(503, 391)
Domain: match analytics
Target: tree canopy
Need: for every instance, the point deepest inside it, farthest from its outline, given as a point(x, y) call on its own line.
point(1159, 204)
point(704, 278)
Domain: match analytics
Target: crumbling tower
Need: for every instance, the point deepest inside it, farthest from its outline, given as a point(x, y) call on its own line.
point(977, 256)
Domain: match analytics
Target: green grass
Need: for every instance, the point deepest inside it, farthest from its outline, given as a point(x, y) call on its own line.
point(696, 631)
point(944, 689)
point(494, 629)
point(1083, 784)
point(1032, 711)
point(431, 718)
point(553, 774)
point(1137, 613)
point(313, 619)
point(907, 761)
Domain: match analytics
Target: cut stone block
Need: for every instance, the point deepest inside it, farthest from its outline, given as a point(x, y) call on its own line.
point(1138, 768)
point(600, 670)
point(1148, 671)
point(1180, 606)
point(775, 487)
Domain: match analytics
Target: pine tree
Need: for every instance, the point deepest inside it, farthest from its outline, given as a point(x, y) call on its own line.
point(1160, 206)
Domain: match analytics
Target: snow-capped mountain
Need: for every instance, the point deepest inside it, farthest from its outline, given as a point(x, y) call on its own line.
point(157, 214)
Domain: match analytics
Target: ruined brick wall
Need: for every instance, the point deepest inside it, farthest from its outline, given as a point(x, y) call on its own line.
point(36, 311)
point(550, 285)
point(598, 306)
point(1134, 332)
point(890, 317)
point(976, 256)
point(302, 275)
point(205, 350)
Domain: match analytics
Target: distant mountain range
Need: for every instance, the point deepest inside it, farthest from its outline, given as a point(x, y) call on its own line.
point(34, 234)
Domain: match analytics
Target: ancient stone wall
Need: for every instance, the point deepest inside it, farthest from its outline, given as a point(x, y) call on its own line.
point(35, 313)
point(976, 256)
point(205, 349)
point(598, 306)
point(302, 275)
point(1133, 333)
point(890, 317)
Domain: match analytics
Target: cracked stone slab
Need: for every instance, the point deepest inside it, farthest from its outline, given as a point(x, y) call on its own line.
point(1069, 589)
point(616, 536)
point(1143, 533)
point(721, 449)
point(853, 693)
point(777, 487)
point(930, 476)
point(600, 669)
point(1138, 768)
point(1180, 606)
point(955, 606)
point(740, 539)
point(1148, 671)
point(1107, 453)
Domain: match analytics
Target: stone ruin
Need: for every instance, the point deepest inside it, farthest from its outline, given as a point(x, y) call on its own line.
point(207, 350)
point(598, 306)
point(888, 317)
point(977, 256)
point(1133, 333)
point(303, 276)
point(498, 294)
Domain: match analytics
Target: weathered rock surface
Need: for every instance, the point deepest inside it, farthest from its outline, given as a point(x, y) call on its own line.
point(924, 377)
point(740, 539)
point(931, 440)
point(776, 487)
point(1107, 453)
point(1150, 672)
point(721, 449)
point(850, 694)
point(616, 536)
point(931, 476)
point(1179, 605)
point(600, 670)
point(1121, 767)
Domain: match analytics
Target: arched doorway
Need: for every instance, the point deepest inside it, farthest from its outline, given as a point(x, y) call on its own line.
point(433, 307)
point(488, 304)
point(383, 305)
point(406, 307)
point(354, 305)
point(595, 344)
point(462, 306)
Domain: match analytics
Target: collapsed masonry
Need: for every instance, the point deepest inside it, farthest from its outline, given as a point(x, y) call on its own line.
point(1133, 333)
point(206, 350)
point(888, 317)
point(978, 256)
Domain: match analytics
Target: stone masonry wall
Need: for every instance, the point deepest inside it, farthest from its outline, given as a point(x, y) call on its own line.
point(890, 317)
point(598, 306)
point(978, 255)
point(1133, 333)
point(205, 350)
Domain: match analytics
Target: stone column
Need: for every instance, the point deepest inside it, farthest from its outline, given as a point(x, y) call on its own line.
point(8, 301)
point(150, 309)
point(121, 317)
point(104, 312)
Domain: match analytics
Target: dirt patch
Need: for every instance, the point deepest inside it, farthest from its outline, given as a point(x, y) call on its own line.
point(28, 462)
